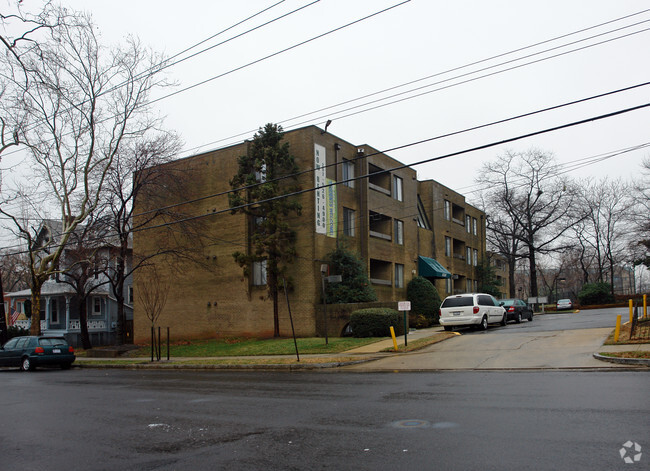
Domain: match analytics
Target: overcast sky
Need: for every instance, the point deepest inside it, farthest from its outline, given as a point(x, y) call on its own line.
point(417, 39)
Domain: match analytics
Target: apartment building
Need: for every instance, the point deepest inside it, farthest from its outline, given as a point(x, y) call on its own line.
point(363, 199)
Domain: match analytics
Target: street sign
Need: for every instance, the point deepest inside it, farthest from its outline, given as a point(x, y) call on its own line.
point(404, 305)
point(334, 278)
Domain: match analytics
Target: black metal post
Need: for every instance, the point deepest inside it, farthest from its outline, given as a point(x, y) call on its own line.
point(293, 331)
point(159, 346)
point(153, 341)
point(167, 343)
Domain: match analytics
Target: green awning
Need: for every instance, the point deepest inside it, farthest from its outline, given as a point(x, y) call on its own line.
point(428, 267)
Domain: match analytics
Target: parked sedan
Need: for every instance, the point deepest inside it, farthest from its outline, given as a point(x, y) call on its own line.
point(563, 304)
point(28, 352)
point(516, 310)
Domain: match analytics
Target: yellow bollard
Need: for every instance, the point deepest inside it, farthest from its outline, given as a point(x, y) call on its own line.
point(630, 311)
point(618, 328)
point(392, 334)
point(645, 306)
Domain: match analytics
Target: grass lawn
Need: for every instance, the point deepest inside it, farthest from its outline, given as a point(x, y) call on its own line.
point(256, 347)
point(635, 354)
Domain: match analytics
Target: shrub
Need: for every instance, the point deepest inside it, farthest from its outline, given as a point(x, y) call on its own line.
point(15, 331)
point(596, 293)
point(376, 322)
point(425, 300)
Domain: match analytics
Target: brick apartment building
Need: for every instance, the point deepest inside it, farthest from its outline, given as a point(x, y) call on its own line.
point(399, 226)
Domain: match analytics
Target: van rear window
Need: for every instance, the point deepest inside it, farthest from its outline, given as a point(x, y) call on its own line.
point(458, 302)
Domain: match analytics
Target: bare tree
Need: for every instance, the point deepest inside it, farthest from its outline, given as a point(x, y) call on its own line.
point(525, 188)
point(152, 292)
point(73, 104)
point(640, 245)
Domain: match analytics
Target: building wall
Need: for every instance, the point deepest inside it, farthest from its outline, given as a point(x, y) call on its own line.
point(212, 297)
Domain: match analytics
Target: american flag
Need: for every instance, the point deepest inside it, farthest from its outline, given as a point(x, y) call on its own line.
point(14, 316)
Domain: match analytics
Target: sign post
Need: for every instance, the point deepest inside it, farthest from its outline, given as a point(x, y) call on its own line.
point(406, 307)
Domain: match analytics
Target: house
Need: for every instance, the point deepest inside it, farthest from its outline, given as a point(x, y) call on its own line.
point(364, 200)
point(60, 303)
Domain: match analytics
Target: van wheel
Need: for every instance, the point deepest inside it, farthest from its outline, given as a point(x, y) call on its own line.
point(504, 321)
point(484, 323)
point(447, 328)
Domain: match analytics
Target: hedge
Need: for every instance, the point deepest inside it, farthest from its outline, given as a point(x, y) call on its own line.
point(376, 322)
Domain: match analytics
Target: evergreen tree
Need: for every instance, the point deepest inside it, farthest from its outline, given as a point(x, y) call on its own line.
point(487, 278)
point(266, 173)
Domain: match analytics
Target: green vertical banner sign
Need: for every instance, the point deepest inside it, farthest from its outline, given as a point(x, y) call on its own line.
point(332, 212)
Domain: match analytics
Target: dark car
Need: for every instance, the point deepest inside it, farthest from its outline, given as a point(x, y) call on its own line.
point(516, 310)
point(31, 351)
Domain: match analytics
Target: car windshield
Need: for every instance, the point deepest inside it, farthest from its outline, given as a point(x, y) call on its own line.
point(564, 301)
point(458, 302)
point(53, 342)
point(508, 302)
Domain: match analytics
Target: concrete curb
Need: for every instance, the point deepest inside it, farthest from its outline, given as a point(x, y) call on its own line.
point(623, 361)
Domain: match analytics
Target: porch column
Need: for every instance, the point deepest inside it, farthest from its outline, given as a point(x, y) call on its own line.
point(67, 313)
point(47, 313)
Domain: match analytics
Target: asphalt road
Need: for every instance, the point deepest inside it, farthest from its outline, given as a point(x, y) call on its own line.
point(564, 340)
point(180, 420)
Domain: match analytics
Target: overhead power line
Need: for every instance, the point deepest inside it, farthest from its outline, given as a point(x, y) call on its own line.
point(399, 167)
point(411, 144)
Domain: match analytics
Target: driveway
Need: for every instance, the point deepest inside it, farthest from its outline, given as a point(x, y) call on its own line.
point(550, 341)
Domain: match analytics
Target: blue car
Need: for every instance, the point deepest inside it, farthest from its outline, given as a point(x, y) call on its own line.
point(28, 352)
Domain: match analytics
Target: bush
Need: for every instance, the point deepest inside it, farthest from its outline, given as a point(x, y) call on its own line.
point(425, 300)
point(376, 322)
point(596, 293)
point(15, 331)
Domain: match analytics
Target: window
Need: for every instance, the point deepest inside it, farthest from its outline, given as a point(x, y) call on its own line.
point(399, 275)
point(448, 285)
point(468, 224)
point(259, 273)
point(54, 312)
point(447, 210)
point(474, 231)
point(475, 257)
point(97, 306)
point(468, 285)
point(398, 188)
point(348, 173)
point(469, 256)
point(475, 286)
point(399, 232)
point(348, 222)
point(423, 221)
point(447, 246)
point(129, 295)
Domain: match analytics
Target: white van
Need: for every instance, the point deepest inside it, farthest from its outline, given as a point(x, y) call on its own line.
point(473, 309)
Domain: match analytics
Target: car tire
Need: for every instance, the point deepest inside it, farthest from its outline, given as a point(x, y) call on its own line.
point(448, 328)
point(26, 364)
point(530, 319)
point(504, 321)
point(65, 366)
point(484, 323)
point(518, 319)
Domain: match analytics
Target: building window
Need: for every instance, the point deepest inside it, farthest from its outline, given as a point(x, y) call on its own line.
point(54, 312)
point(475, 257)
point(259, 273)
point(97, 306)
point(348, 222)
point(468, 285)
point(447, 246)
point(448, 285)
point(474, 231)
point(469, 256)
point(476, 286)
point(348, 173)
point(447, 211)
point(398, 188)
point(468, 224)
point(129, 295)
point(399, 232)
point(399, 275)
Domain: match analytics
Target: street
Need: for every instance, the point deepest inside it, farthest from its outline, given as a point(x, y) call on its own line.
point(96, 419)
point(176, 420)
